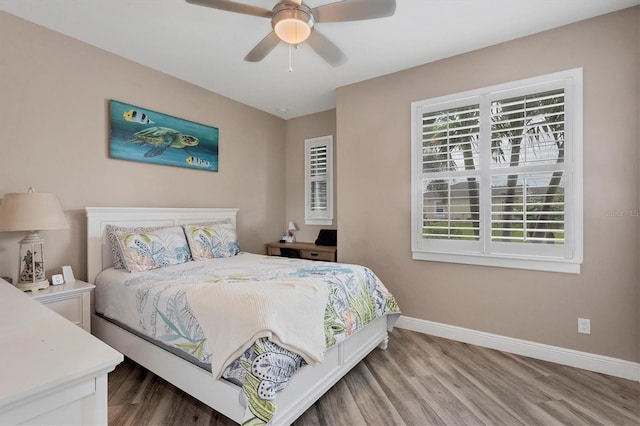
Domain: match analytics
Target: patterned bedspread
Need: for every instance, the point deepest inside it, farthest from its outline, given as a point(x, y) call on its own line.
point(154, 304)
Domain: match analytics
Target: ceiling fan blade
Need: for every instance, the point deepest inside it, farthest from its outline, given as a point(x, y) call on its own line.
point(232, 6)
point(326, 49)
point(354, 10)
point(263, 48)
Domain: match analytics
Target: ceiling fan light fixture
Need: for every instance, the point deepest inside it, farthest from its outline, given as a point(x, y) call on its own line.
point(292, 23)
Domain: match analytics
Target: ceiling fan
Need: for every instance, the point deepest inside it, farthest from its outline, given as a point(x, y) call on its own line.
point(293, 22)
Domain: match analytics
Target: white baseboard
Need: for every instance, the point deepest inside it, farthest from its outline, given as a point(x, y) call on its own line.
point(572, 358)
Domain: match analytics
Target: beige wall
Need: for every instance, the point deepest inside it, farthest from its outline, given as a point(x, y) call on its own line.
point(373, 191)
point(299, 129)
point(54, 94)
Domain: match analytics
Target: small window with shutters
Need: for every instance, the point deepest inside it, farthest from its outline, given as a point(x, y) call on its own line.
point(319, 180)
point(497, 175)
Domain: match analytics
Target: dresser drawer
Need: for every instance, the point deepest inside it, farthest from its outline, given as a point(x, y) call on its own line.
point(71, 308)
point(318, 255)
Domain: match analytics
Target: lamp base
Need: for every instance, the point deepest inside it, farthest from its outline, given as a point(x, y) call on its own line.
point(33, 286)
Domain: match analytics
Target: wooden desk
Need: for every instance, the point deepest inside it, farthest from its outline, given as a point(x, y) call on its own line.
point(304, 251)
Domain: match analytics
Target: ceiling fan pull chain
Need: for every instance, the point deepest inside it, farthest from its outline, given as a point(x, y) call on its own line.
point(290, 66)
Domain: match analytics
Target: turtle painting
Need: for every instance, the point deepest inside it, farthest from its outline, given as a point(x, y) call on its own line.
point(146, 136)
point(161, 138)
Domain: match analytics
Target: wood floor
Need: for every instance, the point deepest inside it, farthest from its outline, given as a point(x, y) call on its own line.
point(418, 380)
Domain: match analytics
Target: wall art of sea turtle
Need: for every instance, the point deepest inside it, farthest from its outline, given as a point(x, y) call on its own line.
point(162, 138)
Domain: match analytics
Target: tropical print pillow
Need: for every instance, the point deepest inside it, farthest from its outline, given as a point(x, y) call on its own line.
point(143, 251)
point(112, 236)
point(212, 240)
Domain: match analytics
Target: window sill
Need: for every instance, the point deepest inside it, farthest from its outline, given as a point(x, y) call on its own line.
point(328, 222)
point(540, 264)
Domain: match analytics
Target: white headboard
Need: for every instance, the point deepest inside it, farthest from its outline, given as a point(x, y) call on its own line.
point(98, 250)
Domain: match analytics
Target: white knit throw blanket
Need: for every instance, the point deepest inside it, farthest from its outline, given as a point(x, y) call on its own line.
point(289, 312)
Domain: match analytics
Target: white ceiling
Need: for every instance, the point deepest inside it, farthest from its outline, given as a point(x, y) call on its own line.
point(206, 47)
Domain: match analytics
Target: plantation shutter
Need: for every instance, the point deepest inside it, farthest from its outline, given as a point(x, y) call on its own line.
point(319, 181)
point(527, 138)
point(497, 175)
point(318, 178)
point(450, 183)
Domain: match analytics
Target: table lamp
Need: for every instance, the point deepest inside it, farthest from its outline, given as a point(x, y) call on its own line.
point(31, 212)
point(290, 237)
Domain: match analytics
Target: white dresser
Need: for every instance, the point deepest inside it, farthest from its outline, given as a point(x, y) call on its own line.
point(51, 371)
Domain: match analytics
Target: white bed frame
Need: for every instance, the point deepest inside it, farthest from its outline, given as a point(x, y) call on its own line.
point(303, 390)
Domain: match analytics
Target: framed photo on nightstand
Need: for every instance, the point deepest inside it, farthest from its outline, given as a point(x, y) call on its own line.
point(67, 273)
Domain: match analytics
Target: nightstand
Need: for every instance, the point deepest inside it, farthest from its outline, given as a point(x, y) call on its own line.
point(303, 251)
point(70, 300)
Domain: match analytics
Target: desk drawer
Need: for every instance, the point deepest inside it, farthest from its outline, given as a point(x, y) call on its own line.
point(318, 255)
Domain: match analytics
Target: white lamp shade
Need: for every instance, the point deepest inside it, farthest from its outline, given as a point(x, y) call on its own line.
point(292, 31)
point(31, 211)
point(292, 24)
point(292, 227)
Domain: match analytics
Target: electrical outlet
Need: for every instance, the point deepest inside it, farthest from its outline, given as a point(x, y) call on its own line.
point(584, 326)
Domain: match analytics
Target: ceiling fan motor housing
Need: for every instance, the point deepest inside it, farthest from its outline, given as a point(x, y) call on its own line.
point(292, 22)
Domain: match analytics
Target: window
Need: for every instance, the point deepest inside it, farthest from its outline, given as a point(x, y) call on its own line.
point(497, 175)
point(318, 194)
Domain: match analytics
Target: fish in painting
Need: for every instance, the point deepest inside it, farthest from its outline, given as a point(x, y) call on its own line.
point(195, 161)
point(137, 117)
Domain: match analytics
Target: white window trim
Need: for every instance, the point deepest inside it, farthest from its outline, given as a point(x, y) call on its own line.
point(455, 253)
point(310, 217)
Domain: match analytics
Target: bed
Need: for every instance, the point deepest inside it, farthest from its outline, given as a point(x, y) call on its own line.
point(308, 383)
